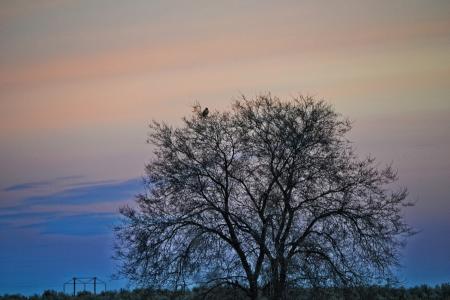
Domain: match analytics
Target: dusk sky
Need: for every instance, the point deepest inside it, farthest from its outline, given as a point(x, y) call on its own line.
point(81, 80)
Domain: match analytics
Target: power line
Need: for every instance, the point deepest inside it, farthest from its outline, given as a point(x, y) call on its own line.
point(85, 281)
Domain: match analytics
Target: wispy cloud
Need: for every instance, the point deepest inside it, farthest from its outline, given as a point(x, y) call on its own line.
point(94, 192)
point(14, 216)
point(25, 186)
point(80, 224)
point(39, 184)
point(81, 208)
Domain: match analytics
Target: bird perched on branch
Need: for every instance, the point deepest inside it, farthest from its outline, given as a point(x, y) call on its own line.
point(205, 112)
point(197, 109)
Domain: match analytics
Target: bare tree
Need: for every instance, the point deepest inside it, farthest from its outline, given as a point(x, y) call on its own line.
point(267, 196)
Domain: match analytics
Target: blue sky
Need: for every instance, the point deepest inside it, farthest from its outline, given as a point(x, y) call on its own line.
point(50, 238)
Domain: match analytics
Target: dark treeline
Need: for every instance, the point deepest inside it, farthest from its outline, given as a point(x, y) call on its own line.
point(372, 292)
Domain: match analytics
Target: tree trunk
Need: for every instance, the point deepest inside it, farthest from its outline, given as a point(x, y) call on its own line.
point(253, 291)
point(279, 286)
point(279, 290)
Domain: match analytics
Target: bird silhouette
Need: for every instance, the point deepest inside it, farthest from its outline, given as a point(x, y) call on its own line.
point(205, 112)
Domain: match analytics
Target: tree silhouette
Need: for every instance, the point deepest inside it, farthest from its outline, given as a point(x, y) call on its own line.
point(266, 196)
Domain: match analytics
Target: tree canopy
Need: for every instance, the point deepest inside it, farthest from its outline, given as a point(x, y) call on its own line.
point(266, 196)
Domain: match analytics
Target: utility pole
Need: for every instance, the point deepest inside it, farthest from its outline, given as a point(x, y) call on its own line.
point(87, 282)
point(95, 285)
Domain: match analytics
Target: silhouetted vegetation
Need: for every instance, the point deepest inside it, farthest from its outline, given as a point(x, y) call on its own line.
point(367, 293)
point(267, 196)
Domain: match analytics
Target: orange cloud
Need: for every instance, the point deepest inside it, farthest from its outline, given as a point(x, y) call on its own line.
point(226, 47)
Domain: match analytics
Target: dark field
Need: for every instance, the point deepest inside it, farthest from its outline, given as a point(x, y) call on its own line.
point(369, 293)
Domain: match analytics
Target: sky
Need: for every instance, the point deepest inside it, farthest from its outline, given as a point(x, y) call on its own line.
point(81, 80)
